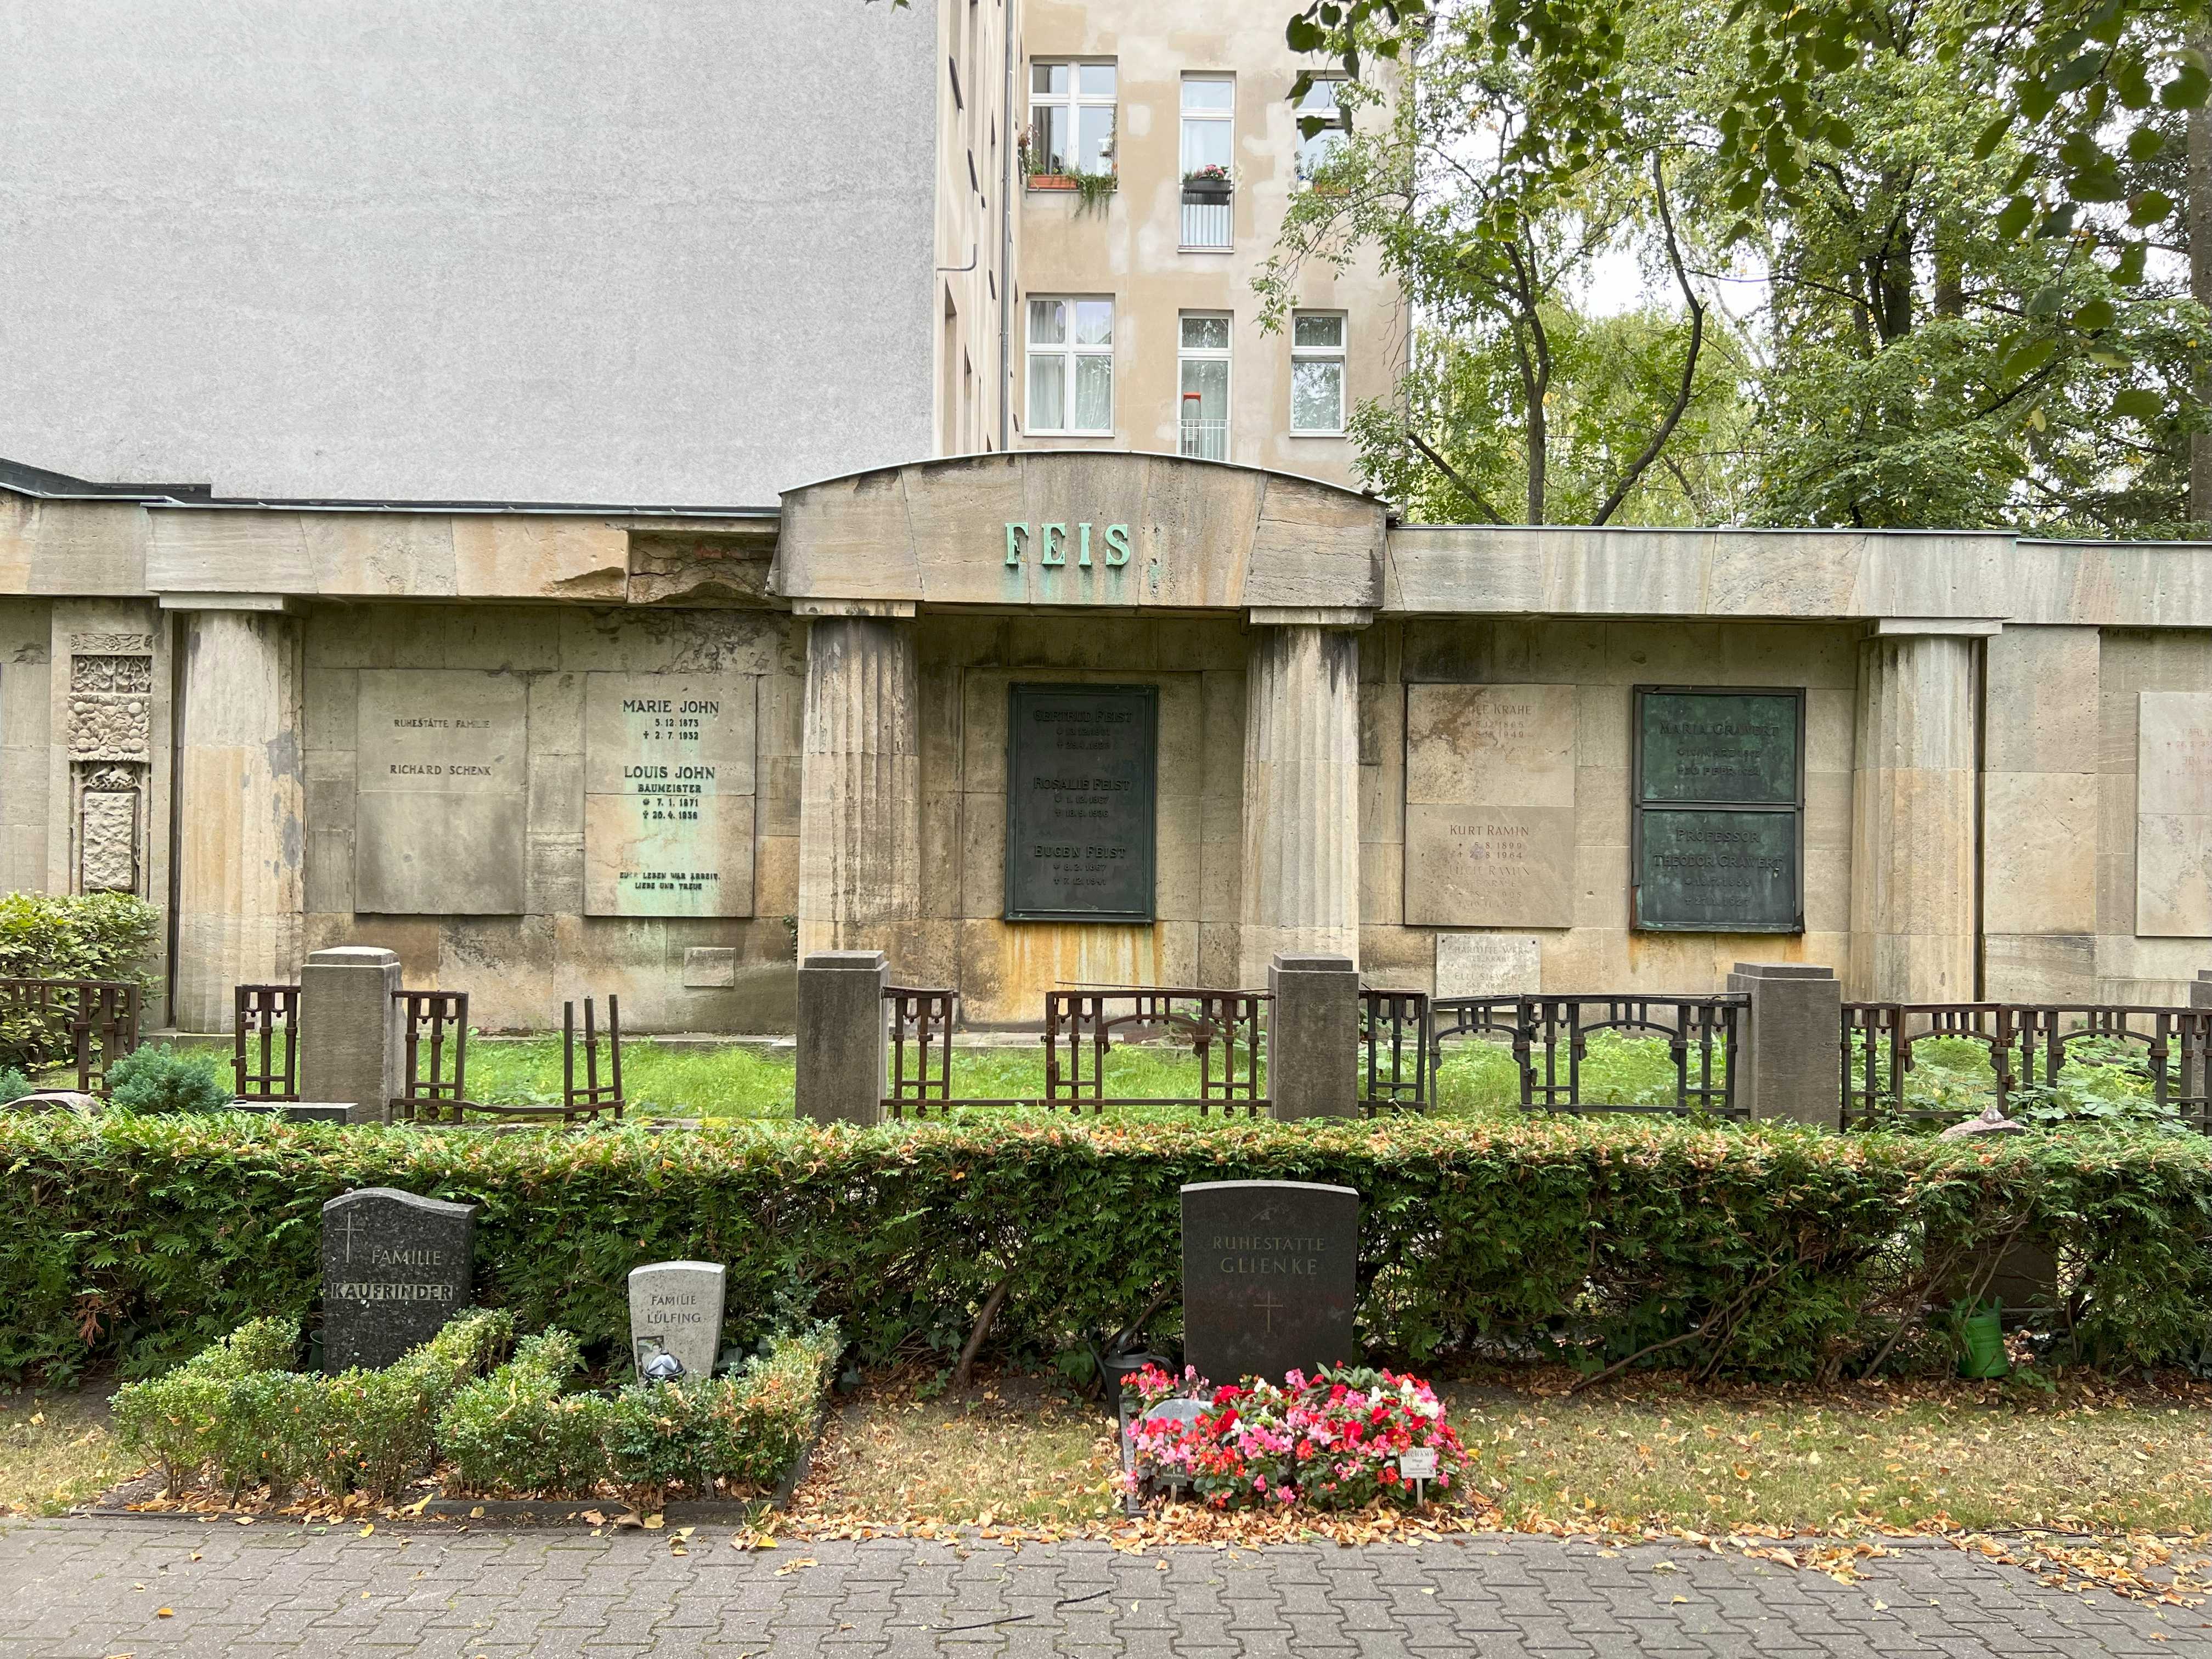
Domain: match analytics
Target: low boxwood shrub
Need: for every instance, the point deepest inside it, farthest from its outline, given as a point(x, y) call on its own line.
point(517, 1433)
point(159, 1078)
point(68, 936)
point(1769, 1250)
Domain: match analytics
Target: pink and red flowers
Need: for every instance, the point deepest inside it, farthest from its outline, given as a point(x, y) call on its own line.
point(1333, 1442)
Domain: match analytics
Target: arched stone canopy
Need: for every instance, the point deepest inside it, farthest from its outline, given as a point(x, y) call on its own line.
point(1082, 528)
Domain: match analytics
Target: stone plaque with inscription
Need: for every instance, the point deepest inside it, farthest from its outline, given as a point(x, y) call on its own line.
point(1490, 805)
point(668, 794)
point(441, 782)
point(396, 1268)
point(1270, 1277)
point(676, 1307)
point(2173, 815)
point(1488, 965)
point(1080, 802)
point(1716, 840)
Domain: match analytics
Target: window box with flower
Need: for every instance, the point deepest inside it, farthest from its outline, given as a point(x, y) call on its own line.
point(1211, 183)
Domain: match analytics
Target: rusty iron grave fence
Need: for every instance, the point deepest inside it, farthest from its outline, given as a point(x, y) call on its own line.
point(2028, 1045)
point(1549, 1037)
point(434, 1039)
point(1081, 1028)
point(1394, 1072)
point(95, 1020)
point(265, 1054)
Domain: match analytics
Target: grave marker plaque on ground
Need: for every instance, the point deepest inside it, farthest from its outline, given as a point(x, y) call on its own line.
point(1269, 1277)
point(396, 1268)
point(676, 1307)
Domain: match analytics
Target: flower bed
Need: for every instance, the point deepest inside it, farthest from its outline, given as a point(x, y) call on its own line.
point(1333, 1441)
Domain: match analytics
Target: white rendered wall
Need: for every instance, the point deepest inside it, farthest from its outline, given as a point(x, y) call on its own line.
point(636, 251)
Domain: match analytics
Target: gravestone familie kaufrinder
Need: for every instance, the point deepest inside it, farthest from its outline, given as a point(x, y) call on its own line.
point(396, 1267)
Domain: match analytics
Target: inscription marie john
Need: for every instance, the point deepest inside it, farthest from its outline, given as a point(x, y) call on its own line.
point(668, 794)
point(1080, 781)
point(1717, 833)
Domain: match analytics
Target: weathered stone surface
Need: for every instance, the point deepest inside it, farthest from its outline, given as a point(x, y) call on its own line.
point(396, 1268)
point(1790, 1048)
point(1301, 829)
point(355, 1055)
point(1313, 1036)
point(1270, 1277)
point(1490, 805)
point(2173, 807)
point(843, 1040)
point(442, 792)
point(859, 840)
point(1488, 964)
point(676, 1307)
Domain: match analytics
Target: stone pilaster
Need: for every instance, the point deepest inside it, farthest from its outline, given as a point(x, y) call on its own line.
point(241, 808)
point(1913, 896)
point(1300, 876)
point(860, 809)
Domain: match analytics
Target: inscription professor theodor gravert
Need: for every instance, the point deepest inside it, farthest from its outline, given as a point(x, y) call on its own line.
point(1270, 1274)
point(396, 1267)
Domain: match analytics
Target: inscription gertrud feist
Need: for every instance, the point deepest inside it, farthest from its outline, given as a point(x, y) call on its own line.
point(1080, 802)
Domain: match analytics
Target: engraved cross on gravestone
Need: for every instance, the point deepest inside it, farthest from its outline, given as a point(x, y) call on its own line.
point(1270, 1273)
point(396, 1268)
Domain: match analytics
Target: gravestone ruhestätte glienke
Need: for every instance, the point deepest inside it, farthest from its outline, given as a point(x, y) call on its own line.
point(1270, 1274)
point(396, 1268)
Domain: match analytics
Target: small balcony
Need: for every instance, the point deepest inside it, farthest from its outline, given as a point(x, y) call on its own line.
point(1208, 215)
point(1204, 440)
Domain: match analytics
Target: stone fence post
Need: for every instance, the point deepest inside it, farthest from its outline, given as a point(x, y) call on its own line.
point(1313, 1036)
point(1789, 1045)
point(844, 1036)
point(350, 1035)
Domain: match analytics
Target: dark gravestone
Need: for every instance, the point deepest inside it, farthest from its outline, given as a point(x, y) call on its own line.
point(396, 1268)
point(1270, 1271)
point(1079, 814)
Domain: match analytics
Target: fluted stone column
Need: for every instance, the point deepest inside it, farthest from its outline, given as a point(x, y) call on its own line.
point(241, 811)
point(1301, 877)
point(1912, 808)
point(860, 806)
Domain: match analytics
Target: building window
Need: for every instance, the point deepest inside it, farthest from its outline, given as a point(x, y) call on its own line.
point(1209, 128)
point(1071, 118)
point(1202, 362)
point(1320, 105)
point(1317, 371)
point(1071, 354)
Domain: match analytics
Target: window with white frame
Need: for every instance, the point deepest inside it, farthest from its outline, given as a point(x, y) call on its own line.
point(1320, 105)
point(1071, 365)
point(1071, 117)
point(1202, 380)
point(1209, 124)
point(1317, 371)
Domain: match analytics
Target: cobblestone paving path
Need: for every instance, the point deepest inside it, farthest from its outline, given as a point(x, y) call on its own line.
point(89, 1589)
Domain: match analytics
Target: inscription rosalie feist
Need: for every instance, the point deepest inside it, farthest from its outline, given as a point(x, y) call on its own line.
point(668, 816)
point(396, 1268)
point(1079, 808)
point(676, 1307)
point(1270, 1275)
point(1718, 810)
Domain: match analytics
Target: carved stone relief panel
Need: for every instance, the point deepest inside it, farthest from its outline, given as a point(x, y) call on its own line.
point(111, 742)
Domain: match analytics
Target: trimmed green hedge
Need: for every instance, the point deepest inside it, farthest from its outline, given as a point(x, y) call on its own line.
point(1766, 1251)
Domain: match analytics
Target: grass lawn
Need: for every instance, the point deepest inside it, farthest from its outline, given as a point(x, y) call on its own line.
point(57, 1449)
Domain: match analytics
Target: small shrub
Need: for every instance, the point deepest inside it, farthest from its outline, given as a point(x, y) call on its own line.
point(517, 1430)
point(160, 1078)
point(183, 1421)
point(68, 936)
point(14, 1085)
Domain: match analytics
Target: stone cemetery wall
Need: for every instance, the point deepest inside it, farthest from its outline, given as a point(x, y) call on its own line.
point(531, 804)
point(1002, 970)
point(26, 649)
point(1496, 782)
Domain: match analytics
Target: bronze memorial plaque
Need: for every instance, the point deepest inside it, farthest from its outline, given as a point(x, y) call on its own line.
point(1079, 787)
point(1718, 836)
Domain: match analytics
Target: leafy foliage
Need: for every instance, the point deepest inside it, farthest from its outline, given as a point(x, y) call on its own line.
point(1768, 1251)
point(161, 1079)
point(83, 936)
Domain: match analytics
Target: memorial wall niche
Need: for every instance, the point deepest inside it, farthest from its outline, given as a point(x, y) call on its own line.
point(668, 794)
point(1490, 805)
point(442, 792)
point(1080, 787)
point(1717, 830)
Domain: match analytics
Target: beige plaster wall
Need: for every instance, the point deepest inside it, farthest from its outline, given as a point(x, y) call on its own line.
point(1003, 970)
point(518, 969)
point(26, 665)
point(1602, 661)
point(973, 147)
point(2132, 969)
point(1132, 249)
